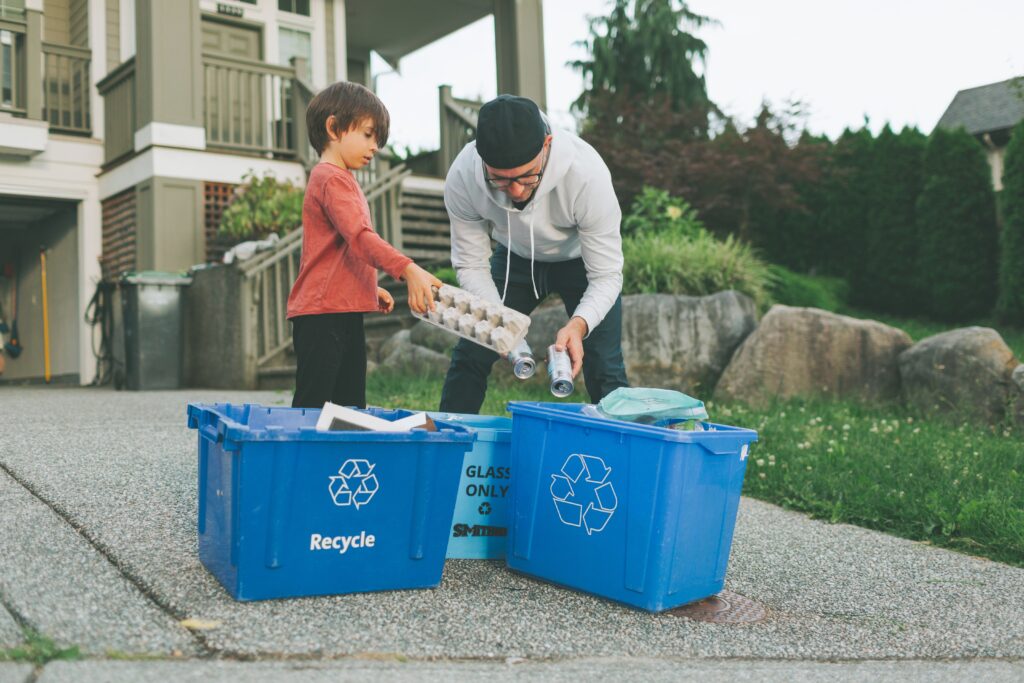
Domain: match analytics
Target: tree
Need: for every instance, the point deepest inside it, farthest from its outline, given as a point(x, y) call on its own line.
point(956, 228)
point(847, 189)
point(643, 49)
point(890, 280)
point(1010, 305)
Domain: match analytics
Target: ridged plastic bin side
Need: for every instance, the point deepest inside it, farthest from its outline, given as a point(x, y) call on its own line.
point(286, 511)
point(638, 514)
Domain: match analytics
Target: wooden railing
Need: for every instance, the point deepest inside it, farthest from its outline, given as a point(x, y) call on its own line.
point(66, 88)
point(12, 68)
point(270, 275)
point(248, 106)
point(118, 91)
point(458, 127)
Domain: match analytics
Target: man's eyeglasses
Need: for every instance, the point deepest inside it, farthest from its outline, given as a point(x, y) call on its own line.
point(525, 180)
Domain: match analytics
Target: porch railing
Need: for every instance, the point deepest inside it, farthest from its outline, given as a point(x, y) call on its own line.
point(118, 91)
point(248, 106)
point(458, 127)
point(269, 276)
point(66, 88)
point(12, 68)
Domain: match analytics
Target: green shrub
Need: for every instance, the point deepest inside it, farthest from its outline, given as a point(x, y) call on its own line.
point(262, 206)
point(654, 211)
point(809, 291)
point(671, 264)
point(447, 276)
point(956, 228)
point(1010, 305)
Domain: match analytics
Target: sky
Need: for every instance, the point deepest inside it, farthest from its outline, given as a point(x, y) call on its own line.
point(893, 61)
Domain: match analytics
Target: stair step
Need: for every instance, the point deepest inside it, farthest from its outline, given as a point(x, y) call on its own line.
point(412, 213)
point(426, 240)
point(423, 226)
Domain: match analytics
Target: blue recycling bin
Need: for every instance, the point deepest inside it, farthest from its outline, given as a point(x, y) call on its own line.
point(640, 514)
point(480, 524)
point(287, 511)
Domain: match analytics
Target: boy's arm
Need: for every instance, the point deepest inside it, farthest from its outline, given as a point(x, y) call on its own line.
point(346, 209)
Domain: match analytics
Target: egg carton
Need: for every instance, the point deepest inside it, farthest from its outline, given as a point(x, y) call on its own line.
point(488, 324)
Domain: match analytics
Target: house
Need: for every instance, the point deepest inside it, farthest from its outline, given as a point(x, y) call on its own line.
point(989, 113)
point(126, 124)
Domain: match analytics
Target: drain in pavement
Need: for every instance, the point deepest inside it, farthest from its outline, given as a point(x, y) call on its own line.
point(725, 608)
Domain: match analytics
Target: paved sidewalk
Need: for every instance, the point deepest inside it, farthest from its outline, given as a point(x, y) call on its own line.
point(101, 489)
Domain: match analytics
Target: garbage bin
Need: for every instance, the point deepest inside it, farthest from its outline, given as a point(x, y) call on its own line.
point(152, 319)
point(289, 511)
point(640, 514)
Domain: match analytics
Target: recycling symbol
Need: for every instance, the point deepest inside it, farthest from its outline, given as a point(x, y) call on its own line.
point(583, 494)
point(355, 484)
point(485, 508)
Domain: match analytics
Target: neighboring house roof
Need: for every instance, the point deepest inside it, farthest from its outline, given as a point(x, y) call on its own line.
point(987, 108)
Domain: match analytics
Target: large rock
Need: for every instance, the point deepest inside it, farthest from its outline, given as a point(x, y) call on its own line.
point(683, 342)
point(545, 322)
point(399, 354)
point(807, 352)
point(965, 372)
point(1018, 383)
point(432, 337)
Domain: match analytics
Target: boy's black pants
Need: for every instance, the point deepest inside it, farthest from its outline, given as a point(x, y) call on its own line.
point(603, 367)
point(330, 354)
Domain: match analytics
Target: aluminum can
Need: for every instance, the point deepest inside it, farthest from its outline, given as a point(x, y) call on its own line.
point(521, 359)
point(560, 372)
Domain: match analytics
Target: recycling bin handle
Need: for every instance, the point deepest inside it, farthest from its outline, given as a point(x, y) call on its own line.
point(210, 429)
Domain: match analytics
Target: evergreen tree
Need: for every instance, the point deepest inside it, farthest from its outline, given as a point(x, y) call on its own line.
point(848, 189)
point(1010, 306)
point(956, 228)
point(889, 279)
point(643, 49)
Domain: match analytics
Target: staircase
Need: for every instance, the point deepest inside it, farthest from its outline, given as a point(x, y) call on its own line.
point(421, 232)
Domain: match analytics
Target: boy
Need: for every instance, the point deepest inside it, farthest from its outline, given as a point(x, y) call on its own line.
point(337, 279)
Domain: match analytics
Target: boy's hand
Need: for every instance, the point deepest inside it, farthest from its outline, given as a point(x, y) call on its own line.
point(419, 282)
point(385, 302)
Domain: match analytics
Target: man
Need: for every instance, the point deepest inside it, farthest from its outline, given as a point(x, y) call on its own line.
point(546, 198)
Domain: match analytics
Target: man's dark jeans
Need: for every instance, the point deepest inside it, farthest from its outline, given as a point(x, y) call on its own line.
point(603, 367)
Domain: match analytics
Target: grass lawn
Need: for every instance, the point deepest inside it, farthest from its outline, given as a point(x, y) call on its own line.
point(957, 486)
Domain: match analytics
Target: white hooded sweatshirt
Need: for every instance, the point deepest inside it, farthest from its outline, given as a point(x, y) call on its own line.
point(573, 213)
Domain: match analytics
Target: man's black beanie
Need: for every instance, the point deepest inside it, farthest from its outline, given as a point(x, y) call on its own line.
point(509, 131)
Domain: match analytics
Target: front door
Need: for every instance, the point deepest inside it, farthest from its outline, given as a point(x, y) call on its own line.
point(226, 39)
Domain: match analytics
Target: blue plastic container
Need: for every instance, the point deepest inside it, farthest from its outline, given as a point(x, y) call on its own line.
point(480, 523)
point(287, 511)
point(639, 514)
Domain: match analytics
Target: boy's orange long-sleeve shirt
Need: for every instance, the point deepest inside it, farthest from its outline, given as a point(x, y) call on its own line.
point(340, 250)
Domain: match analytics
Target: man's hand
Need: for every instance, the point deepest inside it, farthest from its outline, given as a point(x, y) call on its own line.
point(570, 338)
point(385, 303)
point(419, 282)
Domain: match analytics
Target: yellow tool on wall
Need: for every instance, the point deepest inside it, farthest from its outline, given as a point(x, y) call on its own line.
point(46, 319)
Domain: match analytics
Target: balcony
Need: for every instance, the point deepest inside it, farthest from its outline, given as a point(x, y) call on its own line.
point(60, 97)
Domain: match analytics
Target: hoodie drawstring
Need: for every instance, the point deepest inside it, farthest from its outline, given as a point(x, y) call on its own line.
point(508, 254)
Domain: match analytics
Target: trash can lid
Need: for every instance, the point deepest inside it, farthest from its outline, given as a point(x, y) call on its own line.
point(156, 277)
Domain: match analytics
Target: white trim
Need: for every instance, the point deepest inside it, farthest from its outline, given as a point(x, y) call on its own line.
point(98, 64)
point(170, 135)
point(23, 137)
point(194, 165)
point(340, 41)
point(34, 5)
point(318, 44)
point(126, 15)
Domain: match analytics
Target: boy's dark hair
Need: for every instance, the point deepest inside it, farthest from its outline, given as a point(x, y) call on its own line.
point(349, 103)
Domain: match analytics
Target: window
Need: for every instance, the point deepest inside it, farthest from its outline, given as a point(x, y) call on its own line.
point(295, 44)
point(6, 69)
point(294, 6)
point(15, 9)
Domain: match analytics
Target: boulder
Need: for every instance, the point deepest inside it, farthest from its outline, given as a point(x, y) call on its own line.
point(683, 342)
point(432, 337)
point(808, 351)
point(396, 340)
point(965, 372)
point(545, 322)
point(1018, 388)
point(399, 354)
